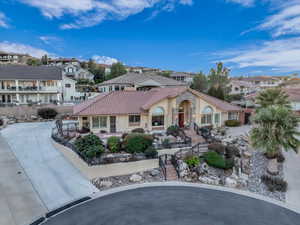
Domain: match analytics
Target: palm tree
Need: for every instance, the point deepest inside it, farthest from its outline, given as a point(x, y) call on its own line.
point(275, 128)
point(273, 97)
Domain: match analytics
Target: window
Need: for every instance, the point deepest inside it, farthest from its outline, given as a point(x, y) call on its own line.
point(122, 88)
point(232, 116)
point(207, 115)
point(99, 122)
point(158, 117)
point(134, 119)
point(117, 88)
point(67, 85)
point(217, 118)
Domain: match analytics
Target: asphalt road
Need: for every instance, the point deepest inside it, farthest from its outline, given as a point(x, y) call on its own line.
point(175, 206)
point(53, 177)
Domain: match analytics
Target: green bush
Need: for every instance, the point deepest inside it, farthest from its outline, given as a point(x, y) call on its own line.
point(151, 153)
point(274, 183)
point(173, 130)
point(192, 161)
point(138, 130)
point(114, 144)
point(217, 147)
point(89, 145)
point(232, 123)
point(47, 113)
point(215, 160)
point(135, 143)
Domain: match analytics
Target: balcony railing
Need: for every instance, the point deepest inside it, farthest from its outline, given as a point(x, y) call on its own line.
point(31, 89)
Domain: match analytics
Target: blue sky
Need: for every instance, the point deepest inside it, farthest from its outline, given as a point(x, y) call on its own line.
point(252, 37)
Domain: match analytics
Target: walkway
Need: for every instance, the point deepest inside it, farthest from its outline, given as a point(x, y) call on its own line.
point(19, 202)
point(292, 175)
point(176, 205)
point(53, 177)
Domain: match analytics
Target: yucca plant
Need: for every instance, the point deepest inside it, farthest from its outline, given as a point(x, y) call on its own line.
point(275, 128)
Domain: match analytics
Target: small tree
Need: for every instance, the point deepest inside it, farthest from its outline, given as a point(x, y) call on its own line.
point(44, 60)
point(47, 113)
point(117, 69)
point(276, 128)
point(200, 82)
point(33, 62)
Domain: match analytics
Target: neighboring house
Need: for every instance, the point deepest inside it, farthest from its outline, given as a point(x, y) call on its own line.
point(263, 81)
point(141, 69)
point(76, 72)
point(241, 87)
point(13, 58)
point(34, 84)
point(182, 77)
point(63, 61)
point(153, 110)
point(138, 81)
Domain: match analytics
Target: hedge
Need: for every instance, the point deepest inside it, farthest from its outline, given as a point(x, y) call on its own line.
point(215, 160)
point(136, 143)
point(232, 123)
point(47, 113)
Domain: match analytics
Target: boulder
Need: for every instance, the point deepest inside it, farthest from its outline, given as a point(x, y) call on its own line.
point(183, 168)
point(231, 182)
point(154, 172)
point(209, 180)
point(273, 167)
point(135, 178)
point(106, 184)
point(247, 154)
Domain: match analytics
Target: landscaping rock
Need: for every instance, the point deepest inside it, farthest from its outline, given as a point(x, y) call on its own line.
point(273, 167)
point(135, 178)
point(247, 154)
point(209, 180)
point(183, 168)
point(106, 184)
point(231, 182)
point(155, 172)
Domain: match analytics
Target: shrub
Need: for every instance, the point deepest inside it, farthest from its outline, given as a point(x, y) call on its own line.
point(1, 122)
point(89, 145)
point(47, 113)
point(215, 160)
point(151, 153)
point(274, 183)
point(173, 130)
point(232, 123)
point(217, 147)
point(124, 135)
point(192, 161)
point(135, 142)
point(232, 151)
point(138, 130)
point(114, 144)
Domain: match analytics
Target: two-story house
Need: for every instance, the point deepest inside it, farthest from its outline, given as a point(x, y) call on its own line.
point(35, 84)
point(76, 72)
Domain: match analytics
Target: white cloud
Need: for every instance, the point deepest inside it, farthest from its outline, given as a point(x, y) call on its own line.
point(104, 60)
point(282, 55)
point(285, 21)
point(48, 39)
point(23, 49)
point(87, 13)
point(3, 20)
point(246, 3)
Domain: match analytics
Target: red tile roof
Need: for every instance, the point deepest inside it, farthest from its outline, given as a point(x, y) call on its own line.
point(136, 102)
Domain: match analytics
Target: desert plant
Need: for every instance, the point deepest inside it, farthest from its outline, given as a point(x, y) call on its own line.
point(114, 144)
point(276, 128)
point(215, 160)
point(217, 147)
point(173, 130)
point(273, 97)
point(232, 123)
point(47, 113)
point(151, 153)
point(192, 161)
point(138, 130)
point(135, 142)
point(274, 183)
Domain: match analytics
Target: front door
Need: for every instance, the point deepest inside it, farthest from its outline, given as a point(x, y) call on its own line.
point(181, 120)
point(112, 124)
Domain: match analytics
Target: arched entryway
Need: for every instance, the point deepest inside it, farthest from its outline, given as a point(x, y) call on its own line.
point(184, 113)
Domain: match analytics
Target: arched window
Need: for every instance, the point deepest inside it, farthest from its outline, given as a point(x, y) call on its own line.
point(207, 115)
point(158, 117)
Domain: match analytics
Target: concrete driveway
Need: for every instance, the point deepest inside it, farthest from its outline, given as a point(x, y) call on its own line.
point(53, 177)
point(176, 205)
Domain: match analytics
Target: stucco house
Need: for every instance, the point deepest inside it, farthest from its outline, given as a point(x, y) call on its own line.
point(138, 81)
point(76, 72)
point(153, 110)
